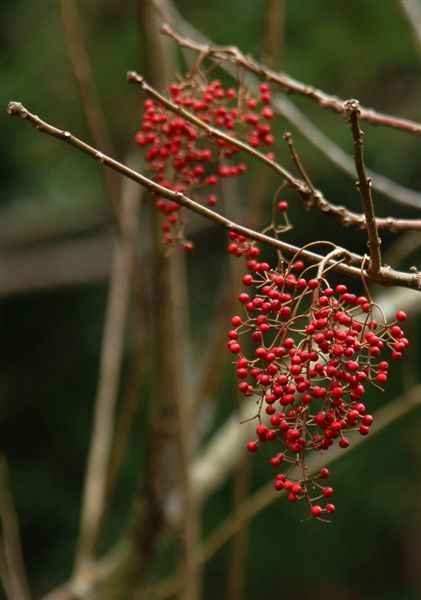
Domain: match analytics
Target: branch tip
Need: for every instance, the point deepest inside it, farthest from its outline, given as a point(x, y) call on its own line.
point(133, 77)
point(16, 109)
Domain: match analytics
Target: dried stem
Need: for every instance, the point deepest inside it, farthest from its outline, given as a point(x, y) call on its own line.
point(290, 85)
point(12, 567)
point(312, 198)
point(364, 186)
point(386, 276)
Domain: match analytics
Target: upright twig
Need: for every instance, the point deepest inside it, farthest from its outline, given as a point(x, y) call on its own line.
point(12, 564)
point(364, 186)
point(334, 153)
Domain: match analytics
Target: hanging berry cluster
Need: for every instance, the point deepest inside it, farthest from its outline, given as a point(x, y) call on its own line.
point(184, 158)
point(308, 352)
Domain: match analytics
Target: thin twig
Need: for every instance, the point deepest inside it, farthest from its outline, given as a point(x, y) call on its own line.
point(296, 159)
point(364, 186)
point(386, 275)
point(290, 85)
point(312, 198)
point(13, 567)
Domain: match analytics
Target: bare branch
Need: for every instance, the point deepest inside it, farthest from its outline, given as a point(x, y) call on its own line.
point(364, 186)
point(285, 107)
point(338, 157)
point(386, 275)
point(311, 197)
point(290, 85)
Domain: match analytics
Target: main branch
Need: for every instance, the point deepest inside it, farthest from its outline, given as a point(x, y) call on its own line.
point(386, 275)
point(311, 197)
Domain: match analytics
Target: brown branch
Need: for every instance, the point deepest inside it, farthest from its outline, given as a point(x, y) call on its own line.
point(282, 105)
point(312, 198)
point(364, 186)
point(133, 77)
point(346, 217)
point(386, 275)
point(290, 85)
point(13, 567)
point(334, 153)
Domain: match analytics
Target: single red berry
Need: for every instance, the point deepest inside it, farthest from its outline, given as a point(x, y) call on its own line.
point(401, 315)
point(316, 510)
point(282, 206)
point(252, 447)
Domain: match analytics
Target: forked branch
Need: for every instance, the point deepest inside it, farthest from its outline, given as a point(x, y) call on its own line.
point(311, 197)
point(385, 276)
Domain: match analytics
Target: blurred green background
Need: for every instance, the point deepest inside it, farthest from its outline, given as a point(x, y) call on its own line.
point(52, 199)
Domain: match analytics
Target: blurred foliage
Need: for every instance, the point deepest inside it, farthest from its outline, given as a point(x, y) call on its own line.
point(51, 341)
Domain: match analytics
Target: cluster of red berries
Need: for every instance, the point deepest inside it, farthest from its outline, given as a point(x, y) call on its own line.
point(185, 158)
point(307, 351)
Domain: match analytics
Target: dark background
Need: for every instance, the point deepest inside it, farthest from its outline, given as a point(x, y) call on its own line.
point(51, 195)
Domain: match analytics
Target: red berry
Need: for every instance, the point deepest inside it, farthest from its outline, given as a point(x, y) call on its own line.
point(252, 447)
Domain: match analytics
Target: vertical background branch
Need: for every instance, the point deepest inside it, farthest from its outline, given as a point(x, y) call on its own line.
point(82, 71)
